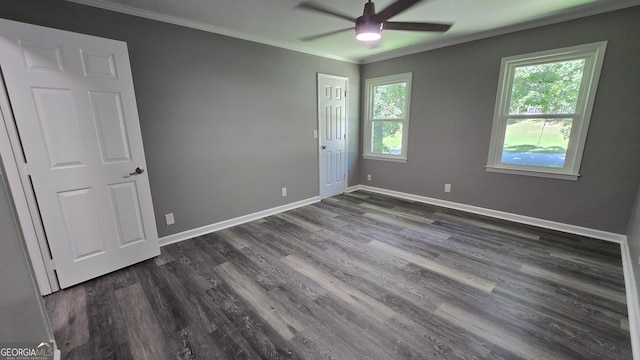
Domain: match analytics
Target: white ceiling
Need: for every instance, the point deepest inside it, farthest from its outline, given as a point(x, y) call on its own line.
point(278, 23)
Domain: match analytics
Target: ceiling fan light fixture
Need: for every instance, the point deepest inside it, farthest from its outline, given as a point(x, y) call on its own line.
point(368, 32)
point(370, 24)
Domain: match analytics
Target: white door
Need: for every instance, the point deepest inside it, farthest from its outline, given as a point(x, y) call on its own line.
point(332, 122)
point(74, 105)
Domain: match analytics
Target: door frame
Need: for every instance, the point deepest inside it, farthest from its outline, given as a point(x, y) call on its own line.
point(320, 130)
point(24, 197)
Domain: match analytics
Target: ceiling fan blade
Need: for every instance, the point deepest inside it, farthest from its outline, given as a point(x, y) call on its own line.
point(394, 9)
point(308, 5)
point(318, 36)
point(415, 26)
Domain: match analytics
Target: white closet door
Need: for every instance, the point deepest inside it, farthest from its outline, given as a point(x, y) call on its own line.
point(74, 105)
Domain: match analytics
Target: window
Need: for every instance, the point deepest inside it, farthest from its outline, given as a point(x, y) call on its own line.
point(542, 111)
point(387, 117)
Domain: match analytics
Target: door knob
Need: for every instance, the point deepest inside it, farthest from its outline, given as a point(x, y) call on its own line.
point(323, 147)
point(137, 171)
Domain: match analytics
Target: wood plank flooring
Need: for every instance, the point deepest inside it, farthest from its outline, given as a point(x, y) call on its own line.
point(357, 276)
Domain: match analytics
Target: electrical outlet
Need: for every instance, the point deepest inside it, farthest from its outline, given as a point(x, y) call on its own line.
point(368, 177)
point(169, 219)
point(447, 188)
point(284, 191)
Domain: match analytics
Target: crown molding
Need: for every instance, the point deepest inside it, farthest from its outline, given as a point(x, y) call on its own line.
point(204, 27)
point(578, 12)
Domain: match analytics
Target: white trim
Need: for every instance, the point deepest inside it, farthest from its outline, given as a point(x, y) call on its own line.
point(527, 220)
point(385, 158)
point(497, 169)
point(593, 56)
point(12, 171)
point(185, 235)
point(331, 76)
point(369, 85)
point(580, 12)
point(633, 301)
point(147, 14)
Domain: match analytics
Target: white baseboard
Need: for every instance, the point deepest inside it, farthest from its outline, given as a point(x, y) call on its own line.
point(185, 235)
point(633, 302)
point(547, 224)
point(630, 285)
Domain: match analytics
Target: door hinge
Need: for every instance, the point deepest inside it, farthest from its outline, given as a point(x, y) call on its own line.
point(25, 168)
point(52, 264)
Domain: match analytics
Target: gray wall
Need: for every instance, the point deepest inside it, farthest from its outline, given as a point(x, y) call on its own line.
point(22, 314)
point(226, 123)
point(633, 238)
point(454, 92)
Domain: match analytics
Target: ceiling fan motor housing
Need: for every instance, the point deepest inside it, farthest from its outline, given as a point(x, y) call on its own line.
point(366, 23)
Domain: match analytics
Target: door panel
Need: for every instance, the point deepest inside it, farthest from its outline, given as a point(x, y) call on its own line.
point(328, 120)
point(333, 125)
point(339, 167)
point(98, 64)
point(127, 213)
point(328, 172)
point(75, 110)
point(40, 56)
point(109, 121)
point(75, 205)
point(58, 127)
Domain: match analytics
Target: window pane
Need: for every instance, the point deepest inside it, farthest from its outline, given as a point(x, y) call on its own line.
point(389, 101)
point(551, 88)
point(387, 137)
point(536, 142)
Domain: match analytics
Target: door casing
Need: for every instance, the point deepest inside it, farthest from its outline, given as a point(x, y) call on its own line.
point(23, 198)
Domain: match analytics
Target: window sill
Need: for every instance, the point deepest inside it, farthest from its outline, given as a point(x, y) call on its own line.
point(385, 158)
point(552, 175)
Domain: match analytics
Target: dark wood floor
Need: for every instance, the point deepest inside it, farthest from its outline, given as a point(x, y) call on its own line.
point(357, 276)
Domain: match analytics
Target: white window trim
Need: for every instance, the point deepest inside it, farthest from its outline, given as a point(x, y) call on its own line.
point(369, 85)
point(594, 56)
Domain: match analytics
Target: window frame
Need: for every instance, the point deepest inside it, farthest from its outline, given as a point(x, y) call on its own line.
point(370, 85)
point(593, 54)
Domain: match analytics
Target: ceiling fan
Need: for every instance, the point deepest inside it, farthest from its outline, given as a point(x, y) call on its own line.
point(369, 26)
